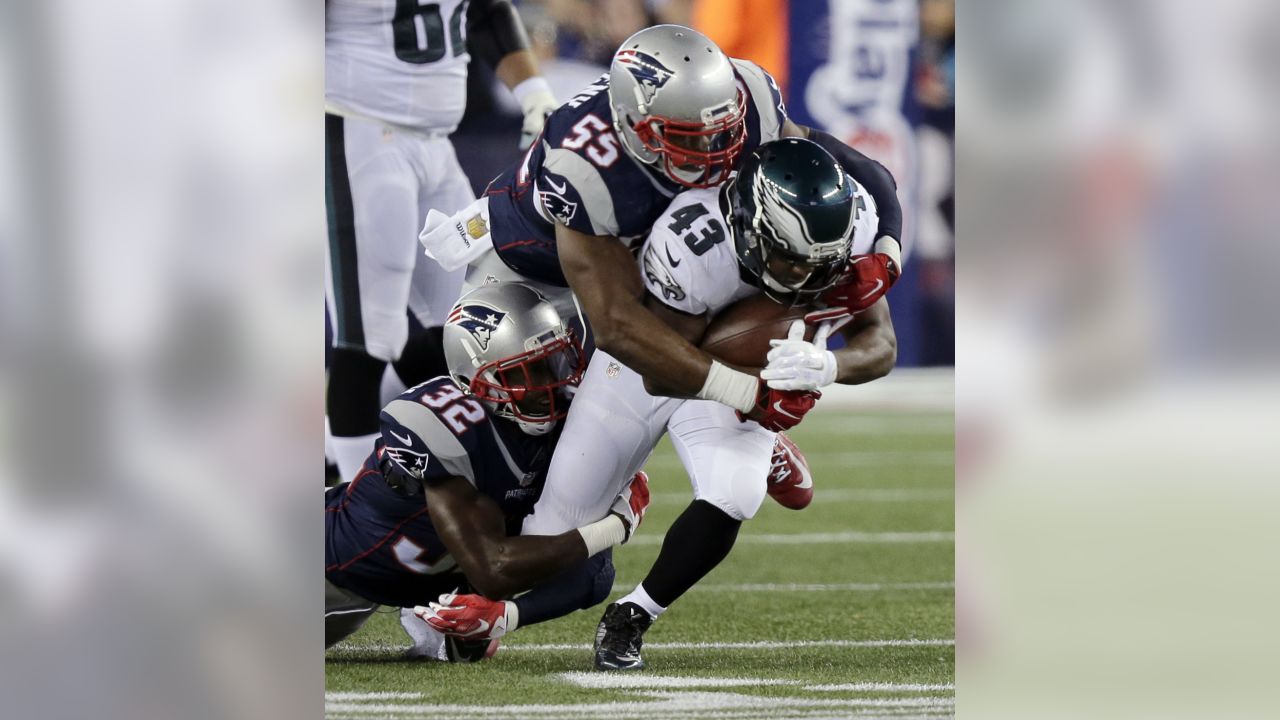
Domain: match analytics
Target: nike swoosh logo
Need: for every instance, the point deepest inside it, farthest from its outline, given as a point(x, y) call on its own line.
point(480, 629)
point(562, 189)
point(674, 262)
point(407, 440)
point(777, 405)
point(874, 290)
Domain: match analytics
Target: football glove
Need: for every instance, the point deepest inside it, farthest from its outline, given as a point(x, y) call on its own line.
point(865, 280)
point(778, 410)
point(798, 364)
point(473, 617)
point(536, 105)
point(631, 503)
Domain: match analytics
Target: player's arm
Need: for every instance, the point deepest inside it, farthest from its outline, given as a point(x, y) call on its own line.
point(496, 35)
point(870, 352)
point(473, 528)
point(871, 346)
point(688, 326)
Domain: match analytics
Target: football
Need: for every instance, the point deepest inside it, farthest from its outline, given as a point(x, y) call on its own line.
point(740, 334)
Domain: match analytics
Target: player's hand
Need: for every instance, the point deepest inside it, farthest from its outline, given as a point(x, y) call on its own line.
point(632, 502)
point(865, 280)
point(797, 364)
point(778, 410)
point(473, 617)
point(537, 105)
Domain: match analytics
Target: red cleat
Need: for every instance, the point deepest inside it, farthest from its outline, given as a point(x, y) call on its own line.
point(789, 480)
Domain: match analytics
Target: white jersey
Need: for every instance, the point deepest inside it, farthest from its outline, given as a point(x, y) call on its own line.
point(690, 263)
point(397, 61)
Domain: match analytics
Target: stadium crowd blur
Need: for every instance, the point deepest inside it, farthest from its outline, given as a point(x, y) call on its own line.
point(902, 51)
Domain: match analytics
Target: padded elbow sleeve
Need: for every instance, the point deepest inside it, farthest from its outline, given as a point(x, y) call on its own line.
point(494, 30)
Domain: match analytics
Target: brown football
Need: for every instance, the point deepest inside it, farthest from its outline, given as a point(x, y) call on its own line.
point(740, 334)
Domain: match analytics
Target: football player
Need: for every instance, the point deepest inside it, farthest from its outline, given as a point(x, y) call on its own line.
point(459, 462)
point(395, 88)
point(789, 225)
point(672, 113)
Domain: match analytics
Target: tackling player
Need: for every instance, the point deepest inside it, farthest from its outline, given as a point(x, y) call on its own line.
point(459, 463)
point(787, 226)
point(395, 88)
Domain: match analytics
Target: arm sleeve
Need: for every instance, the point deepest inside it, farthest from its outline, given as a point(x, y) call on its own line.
point(494, 30)
point(578, 588)
point(420, 445)
point(872, 176)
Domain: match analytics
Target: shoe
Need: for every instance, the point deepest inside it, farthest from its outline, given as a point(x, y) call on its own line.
point(789, 480)
point(458, 650)
point(619, 637)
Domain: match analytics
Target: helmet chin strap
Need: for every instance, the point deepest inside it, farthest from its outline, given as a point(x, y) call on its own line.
point(531, 427)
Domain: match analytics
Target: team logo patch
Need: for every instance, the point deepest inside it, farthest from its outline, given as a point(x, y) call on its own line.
point(477, 228)
point(650, 74)
point(660, 277)
point(558, 207)
point(479, 320)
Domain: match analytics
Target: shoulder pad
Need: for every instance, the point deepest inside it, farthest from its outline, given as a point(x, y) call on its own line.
point(572, 191)
point(428, 441)
point(765, 95)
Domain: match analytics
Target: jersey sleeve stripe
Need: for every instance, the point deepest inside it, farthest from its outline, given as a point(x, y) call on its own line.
point(765, 98)
point(442, 443)
point(590, 187)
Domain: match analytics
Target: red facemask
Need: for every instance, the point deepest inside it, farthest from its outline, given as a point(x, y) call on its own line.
point(527, 378)
point(711, 150)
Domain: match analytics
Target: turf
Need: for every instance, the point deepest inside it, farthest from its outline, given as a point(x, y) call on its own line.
point(880, 570)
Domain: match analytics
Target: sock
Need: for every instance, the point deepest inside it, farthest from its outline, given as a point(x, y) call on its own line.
point(698, 540)
point(351, 452)
point(640, 597)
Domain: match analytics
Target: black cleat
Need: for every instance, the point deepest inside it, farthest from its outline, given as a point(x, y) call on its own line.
point(619, 637)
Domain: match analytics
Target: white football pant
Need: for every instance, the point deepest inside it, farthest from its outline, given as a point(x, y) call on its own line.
point(393, 176)
point(613, 426)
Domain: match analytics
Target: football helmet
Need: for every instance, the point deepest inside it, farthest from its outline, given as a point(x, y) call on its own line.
point(507, 345)
point(793, 210)
point(677, 105)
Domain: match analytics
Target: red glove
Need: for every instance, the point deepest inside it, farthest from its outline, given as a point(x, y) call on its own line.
point(865, 280)
point(473, 617)
point(778, 410)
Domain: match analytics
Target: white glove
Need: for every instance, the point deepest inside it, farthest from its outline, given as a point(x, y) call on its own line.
point(537, 102)
point(797, 364)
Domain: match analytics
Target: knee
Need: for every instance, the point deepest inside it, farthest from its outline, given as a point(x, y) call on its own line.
point(740, 499)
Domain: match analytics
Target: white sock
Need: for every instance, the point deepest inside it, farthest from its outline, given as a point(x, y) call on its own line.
point(427, 641)
point(641, 598)
point(351, 452)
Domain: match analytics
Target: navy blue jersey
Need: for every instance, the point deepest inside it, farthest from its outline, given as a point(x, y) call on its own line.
point(379, 540)
point(578, 174)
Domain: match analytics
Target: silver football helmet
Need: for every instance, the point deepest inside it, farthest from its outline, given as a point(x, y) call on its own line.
point(676, 104)
point(506, 344)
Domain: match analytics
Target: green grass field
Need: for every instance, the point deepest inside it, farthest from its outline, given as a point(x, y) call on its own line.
point(844, 609)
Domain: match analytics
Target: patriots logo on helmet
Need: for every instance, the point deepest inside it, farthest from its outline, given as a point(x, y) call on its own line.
point(650, 74)
point(479, 320)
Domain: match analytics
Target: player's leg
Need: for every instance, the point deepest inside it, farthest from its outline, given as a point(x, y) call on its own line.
point(612, 427)
point(344, 613)
point(371, 195)
point(443, 186)
point(727, 461)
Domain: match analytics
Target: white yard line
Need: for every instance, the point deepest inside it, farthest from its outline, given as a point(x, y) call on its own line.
point(880, 687)
point(862, 458)
point(833, 538)
point(867, 495)
point(621, 681)
point(818, 587)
